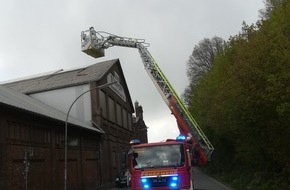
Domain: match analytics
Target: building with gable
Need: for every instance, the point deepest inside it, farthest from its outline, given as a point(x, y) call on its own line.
point(100, 126)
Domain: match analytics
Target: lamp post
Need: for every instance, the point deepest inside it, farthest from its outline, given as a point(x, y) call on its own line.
point(66, 121)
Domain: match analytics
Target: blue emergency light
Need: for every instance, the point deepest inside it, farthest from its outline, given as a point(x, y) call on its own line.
point(145, 184)
point(135, 141)
point(180, 138)
point(173, 181)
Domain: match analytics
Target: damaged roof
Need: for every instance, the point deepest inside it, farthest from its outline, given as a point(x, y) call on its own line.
point(62, 78)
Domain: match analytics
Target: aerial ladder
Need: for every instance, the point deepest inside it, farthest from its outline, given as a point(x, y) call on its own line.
point(94, 44)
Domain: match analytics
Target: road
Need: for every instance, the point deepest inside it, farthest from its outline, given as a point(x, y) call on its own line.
point(201, 182)
point(204, 182)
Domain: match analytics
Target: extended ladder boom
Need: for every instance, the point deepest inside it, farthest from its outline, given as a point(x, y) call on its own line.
point(94, 43)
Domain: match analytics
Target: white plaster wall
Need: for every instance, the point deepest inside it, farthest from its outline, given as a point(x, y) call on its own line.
point(62, 99)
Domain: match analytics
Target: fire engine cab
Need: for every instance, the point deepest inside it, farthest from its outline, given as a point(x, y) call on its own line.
point(161, 165)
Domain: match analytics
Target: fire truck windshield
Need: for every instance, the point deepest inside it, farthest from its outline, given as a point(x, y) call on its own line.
point(158, 156)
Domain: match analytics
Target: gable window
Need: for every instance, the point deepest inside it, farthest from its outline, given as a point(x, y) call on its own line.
point(117, 87)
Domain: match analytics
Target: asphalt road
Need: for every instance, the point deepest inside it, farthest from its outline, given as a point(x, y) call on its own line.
point(201, 182)
point(204, 182)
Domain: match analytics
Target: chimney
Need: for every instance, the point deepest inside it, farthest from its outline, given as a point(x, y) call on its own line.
point(138, 111)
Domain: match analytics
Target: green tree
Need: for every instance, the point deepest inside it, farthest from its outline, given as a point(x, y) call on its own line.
point(243, 102)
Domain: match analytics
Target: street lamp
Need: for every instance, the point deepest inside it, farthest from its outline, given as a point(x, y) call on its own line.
point(66, 120)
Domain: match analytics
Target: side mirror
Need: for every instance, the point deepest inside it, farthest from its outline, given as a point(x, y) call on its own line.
point(135, 155)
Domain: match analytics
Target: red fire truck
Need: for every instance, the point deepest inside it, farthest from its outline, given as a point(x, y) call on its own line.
point(163, 165)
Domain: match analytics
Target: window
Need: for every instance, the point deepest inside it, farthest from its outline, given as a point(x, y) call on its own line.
point(103, 101)
point(125, 120)
point(130, 121)
point(119, 114)
point(16, 130)
point(10, 130)
point(112, 116)
point(114, 158)
point(171, 155)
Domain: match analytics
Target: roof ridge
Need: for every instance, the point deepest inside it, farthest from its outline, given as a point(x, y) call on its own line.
point(62, 78)
point(29, 77)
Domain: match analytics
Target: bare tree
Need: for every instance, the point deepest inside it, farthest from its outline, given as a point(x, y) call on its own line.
point(200, 61)
point(202, 57)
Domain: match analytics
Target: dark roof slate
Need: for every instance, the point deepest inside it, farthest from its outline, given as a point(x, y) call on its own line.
point(62, 79)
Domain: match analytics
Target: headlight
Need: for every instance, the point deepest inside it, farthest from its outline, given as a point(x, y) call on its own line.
point(173, 181)
point(145, 183)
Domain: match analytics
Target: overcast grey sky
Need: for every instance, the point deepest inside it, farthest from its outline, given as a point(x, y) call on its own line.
point(38, 36)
